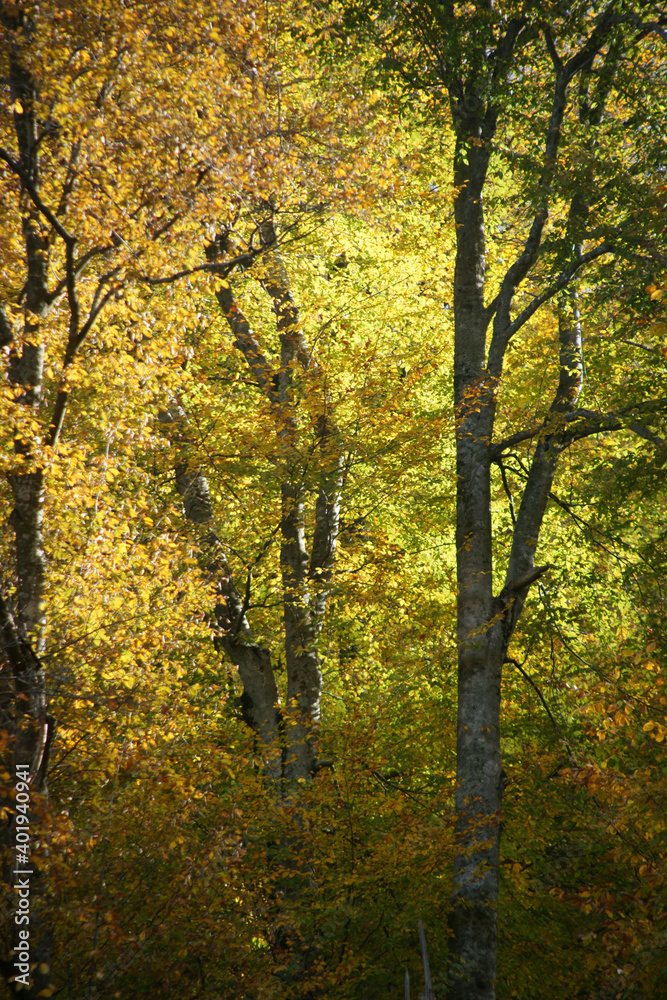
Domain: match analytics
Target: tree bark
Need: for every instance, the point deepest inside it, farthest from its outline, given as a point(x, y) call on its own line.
point(23, 696)
point(286, 727)
point(478, 787)
point(486, 622)
point(285, 723)
point(22, 619)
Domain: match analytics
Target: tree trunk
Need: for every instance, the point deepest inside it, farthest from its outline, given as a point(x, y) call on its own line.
point(286, 727)
point(485, 627)
point(486, 622)
point(22, 620)
point(478, 787)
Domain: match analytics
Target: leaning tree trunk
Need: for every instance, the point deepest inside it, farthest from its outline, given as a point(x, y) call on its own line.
point(284, 723)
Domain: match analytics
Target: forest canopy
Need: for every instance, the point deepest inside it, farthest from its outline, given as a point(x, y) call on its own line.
point(333, 448)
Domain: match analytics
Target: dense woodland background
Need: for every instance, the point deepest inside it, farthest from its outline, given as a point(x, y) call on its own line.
point(228, 555)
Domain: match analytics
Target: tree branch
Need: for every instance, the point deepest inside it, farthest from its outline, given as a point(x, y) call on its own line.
point(501, 305)
point(527, 677)
point(248, 344)
point(327, 516)
point(599, 423)
point(508, 493)
point(36, 199)
point(222, 270)
point(276, 283)
point(563, 280)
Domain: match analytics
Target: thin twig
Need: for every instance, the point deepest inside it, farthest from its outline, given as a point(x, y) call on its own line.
point(526, 676)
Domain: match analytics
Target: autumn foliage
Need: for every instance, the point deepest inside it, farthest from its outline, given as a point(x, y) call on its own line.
point(229, 266)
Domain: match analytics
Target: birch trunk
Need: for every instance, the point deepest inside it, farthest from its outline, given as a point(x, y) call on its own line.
point(285, 724)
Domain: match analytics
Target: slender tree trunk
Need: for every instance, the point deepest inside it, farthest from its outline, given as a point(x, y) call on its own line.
point(22, 620)
point(286, 727)
point(307, 571)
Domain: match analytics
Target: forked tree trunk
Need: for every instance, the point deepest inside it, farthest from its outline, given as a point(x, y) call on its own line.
point(486, 625)
point(486, 621)
point(286, 725)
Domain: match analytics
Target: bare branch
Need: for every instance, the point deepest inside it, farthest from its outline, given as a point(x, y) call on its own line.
point(503, 334)
point(506, 444)
point(92, 316)
point(222, 270)
point(70, 178)
point(74, 342)
point(527, 579)
point(36, 199)
point(563, 280)
point(555, 58)
point(597, 423)
point(508, 493)
point(501, 305)
point(527, 677)
point(521, 571)
point(643, 432)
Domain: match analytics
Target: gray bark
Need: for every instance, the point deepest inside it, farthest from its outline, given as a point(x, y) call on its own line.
point(286, 730)
point(485, 621)
point(23, 713)
point(22, 620)
point(26, 370)
point(306, 576)
point(260, 702)
point(41, 226)
point(427, 992)
point(23, 703)
point(327, 517)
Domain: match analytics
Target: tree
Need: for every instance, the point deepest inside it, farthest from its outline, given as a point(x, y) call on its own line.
point(287, 735)
point(122, 166)
point(537, 102)
point(86, 206)
point(190, 850)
